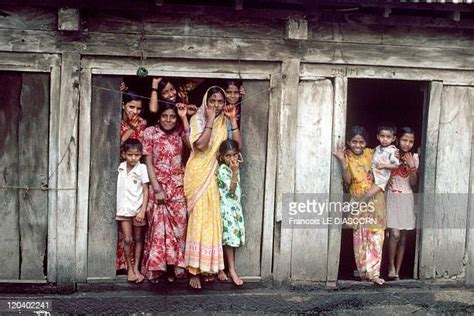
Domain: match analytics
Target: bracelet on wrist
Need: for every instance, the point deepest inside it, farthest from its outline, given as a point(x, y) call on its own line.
point(235, 129)
point(187, 130)
point(154, 89)
point(208, 127)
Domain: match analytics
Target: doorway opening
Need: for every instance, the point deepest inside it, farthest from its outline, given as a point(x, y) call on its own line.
point(370, 102)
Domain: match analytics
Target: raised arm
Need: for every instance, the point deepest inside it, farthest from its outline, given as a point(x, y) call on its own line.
point(154, 95)
point(203, 140)
point(230, 111)
point(339, 154)
point(183, 115)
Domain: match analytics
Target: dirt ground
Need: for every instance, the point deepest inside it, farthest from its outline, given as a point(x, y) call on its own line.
point(351, 298)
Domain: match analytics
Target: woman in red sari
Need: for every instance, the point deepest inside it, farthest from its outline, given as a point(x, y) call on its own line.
point(167, 213)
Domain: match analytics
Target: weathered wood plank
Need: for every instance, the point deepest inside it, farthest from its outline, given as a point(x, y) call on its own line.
point(55, 93)
point(9, 117)
point(27, 62)
point(313, 143)
point(270, 176)
point(244, 49)
point(452, 180)
point(286, 162)
point(33, 167)
point(191, 23)
point(308, 71)
point(336, 189)
point(432, 112)
point(105, 131)
point(83, 176)
point(28, 18)
point(67, 170)
point(68, 19)
point(254, 124)
point(470, 221)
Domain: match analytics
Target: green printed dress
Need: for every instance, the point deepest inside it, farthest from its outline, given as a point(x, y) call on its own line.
point(233, 234)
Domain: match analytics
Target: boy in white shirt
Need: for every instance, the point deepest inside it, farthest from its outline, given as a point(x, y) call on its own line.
point(132, 198)
point(385, 155)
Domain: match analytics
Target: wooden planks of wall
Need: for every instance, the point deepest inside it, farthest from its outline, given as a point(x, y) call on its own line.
point(287, 125)
point(470, 218)
point(67, 170)
point(452, 182)
point(313, 145)
point(33, 166)
point(9, 205)
point(105, 151)
point(254, 124)
point(336, 189)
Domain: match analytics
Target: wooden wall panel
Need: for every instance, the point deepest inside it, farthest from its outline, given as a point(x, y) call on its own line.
point(313, 145)
point(428, 180)
point(470, 220)
point(452, 180)
point(254, 125)
point(33, 166)
point(67, 171)
point(285, 183)
point(9, 115)
point(336, 188)
point(105, 151)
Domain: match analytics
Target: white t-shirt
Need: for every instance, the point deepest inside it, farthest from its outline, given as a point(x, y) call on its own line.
point(130, 189)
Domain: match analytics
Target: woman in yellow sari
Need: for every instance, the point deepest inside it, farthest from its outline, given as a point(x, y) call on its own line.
point(368, 226)
point(203, 254)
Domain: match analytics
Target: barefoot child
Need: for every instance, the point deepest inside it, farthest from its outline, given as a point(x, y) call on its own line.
point(228, 182)
point(400, 201)
point(356, 165)
point(132, 197)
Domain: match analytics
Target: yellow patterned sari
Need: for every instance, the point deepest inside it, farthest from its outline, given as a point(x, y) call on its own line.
point(203, 252)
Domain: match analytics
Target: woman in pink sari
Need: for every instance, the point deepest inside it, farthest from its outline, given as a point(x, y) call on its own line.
point(167, 212)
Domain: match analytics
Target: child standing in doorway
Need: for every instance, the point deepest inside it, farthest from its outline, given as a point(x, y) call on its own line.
point(228, 182)
point(400, 201)
point(132, 198)
point(385, 155)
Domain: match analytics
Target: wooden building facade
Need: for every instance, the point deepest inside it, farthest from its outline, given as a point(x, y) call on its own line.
point(60, 69)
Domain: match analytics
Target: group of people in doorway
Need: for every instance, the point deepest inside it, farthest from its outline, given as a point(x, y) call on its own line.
point(179, 212)
point(384, 177)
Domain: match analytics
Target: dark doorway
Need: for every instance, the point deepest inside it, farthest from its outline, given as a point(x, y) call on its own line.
point(370, 102)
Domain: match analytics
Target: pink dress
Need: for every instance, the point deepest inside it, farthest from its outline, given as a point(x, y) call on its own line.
point(400, 199)
point(165, 239)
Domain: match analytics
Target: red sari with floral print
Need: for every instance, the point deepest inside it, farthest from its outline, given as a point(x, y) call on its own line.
point(166, 235)
point(121, 262)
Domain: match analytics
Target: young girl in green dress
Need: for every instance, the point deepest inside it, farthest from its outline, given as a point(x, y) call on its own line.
point(228, 182)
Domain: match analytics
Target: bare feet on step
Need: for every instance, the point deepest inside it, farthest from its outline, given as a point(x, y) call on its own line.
point(222, 276)
point(235, 278)
point(195, 282)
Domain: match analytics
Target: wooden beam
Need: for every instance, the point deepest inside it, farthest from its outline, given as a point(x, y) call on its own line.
point(296, 28)
point(270, 176)
point(55, 91)
point(84, 176)
point(67, 170)
point(68, 19)
point(336, 188)
point(286, 165)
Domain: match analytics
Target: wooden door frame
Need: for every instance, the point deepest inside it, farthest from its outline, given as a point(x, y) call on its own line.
point(44, 63)
point(340, 75)
point(245, 70)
